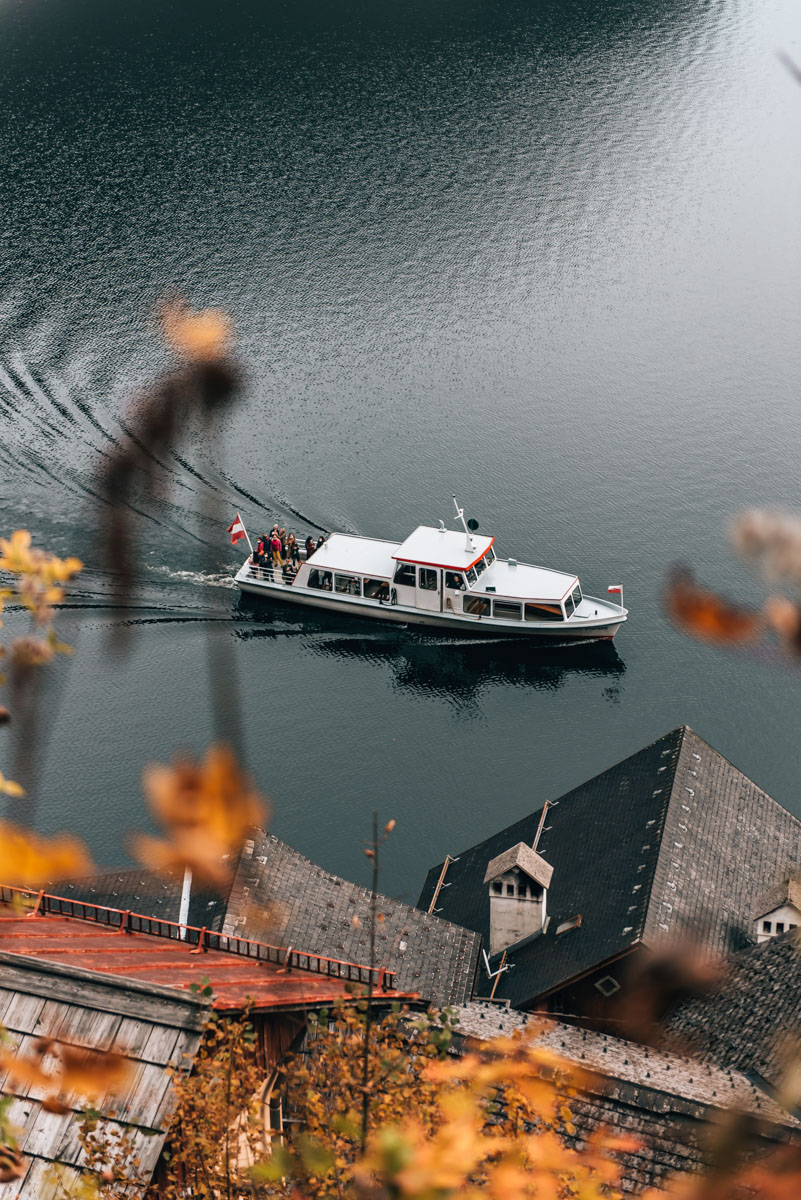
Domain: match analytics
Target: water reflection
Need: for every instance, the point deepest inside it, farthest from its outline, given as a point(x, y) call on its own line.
point(456, 669)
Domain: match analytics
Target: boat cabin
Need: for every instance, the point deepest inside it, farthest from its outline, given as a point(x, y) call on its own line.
point(440, 570)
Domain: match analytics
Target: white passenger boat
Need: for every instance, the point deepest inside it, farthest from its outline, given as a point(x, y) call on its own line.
point(442, 579)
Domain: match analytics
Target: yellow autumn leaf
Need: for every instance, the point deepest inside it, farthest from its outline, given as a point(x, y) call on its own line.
point(30, 861)
point(9, 788)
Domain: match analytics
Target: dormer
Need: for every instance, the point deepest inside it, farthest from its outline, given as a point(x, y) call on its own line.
point(779, 909)
point(518, 883)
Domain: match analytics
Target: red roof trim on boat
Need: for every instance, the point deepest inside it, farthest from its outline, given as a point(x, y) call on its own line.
point(445, 566)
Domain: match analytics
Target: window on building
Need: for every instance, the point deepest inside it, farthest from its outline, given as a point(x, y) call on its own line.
point(376, 589)
point(766, 927)
point(510, 889)
point(780, 926)
point(455, 580)
point(503, 608)
point(428, 579)
point(320, 579)
point(544, 612)
point(476, 606)
point(570, 923)
point(497, 887)
point(406, 573)
point(608, 985)
point(348, 585)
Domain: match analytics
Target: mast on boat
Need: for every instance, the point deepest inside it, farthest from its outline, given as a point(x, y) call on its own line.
point(469, 543)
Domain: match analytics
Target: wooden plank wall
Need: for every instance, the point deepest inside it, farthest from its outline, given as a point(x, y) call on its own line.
point(153, 1028)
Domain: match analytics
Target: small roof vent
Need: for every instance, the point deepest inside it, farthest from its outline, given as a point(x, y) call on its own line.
point(522, 856)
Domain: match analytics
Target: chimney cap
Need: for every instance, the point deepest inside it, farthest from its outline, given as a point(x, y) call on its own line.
point(522, 856)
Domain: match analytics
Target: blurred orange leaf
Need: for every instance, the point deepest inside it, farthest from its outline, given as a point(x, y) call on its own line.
point(206, 810)
point(706, 615)
point(203, 336)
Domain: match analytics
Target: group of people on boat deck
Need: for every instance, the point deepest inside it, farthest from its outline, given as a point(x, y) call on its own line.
point(280, 549)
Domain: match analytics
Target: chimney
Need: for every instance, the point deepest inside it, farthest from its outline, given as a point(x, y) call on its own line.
point(518, 883)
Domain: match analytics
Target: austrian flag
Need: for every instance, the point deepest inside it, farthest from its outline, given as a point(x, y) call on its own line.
point(236, 530)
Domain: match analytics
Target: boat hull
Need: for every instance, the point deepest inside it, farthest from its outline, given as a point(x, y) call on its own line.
point(579, 630)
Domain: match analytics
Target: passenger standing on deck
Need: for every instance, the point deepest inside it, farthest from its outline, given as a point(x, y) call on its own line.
point(282, 535)
point(258, 552)
point(320, 540)
point(294, 550)
point(310, 546)
point(276, 548)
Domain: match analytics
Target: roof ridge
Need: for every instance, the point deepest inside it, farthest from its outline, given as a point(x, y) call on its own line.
point(740, 771)
point(584, 783)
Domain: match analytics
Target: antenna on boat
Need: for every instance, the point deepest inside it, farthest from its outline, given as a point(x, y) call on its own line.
point(469, 543)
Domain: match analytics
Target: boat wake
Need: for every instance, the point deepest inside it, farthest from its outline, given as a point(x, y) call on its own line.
point(222, 579)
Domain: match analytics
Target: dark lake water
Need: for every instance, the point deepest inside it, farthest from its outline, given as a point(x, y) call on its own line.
point(541, 253)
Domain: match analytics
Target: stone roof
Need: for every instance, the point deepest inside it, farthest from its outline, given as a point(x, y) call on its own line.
point(672, 841)
point(526, 859)
point(664, 1099)
point(151, 1026)
point(786, 892)
point(281, 896)
point(752, 1018)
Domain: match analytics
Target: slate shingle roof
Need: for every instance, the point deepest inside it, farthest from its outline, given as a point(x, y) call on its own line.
point(749, 1021)
point(663, 1099)
point(280, 895)
point(673, 840)
point(137, 890)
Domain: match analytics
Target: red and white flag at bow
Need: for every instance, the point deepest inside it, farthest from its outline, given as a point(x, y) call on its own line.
point(237, 530)
point(616, 587)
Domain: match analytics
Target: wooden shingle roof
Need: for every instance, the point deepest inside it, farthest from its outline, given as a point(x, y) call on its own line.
point(523, 857)
point(666, 1102)
point(279, 890)
point(786, 892)
point(752, 1021)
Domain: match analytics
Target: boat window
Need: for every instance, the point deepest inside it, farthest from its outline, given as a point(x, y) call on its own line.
point(479, 566)
point(490, 556)
point(376, 589)
point(544, 612)
point(476, 606)
point(471, 576)
point(348, 585)
point(569, 606)
point(320, 579)
point(455, 580)
point(503, 608)
point(577, 595)
point(429, 579)
point(405, 573)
